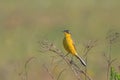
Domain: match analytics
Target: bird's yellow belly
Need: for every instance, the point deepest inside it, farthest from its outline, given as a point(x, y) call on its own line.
point(68, 45)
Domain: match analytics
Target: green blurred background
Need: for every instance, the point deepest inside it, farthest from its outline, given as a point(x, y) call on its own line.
point(25, 22)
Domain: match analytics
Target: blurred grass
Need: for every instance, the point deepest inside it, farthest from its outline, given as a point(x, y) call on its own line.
point(24, 22)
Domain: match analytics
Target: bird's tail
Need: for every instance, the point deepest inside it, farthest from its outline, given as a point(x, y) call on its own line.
point(81, 60)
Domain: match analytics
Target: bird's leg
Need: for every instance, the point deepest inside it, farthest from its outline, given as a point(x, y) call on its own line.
point(64, 56)
point(71, 61)
point(71, 58)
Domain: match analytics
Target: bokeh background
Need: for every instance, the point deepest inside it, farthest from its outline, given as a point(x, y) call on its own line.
point(25, 22)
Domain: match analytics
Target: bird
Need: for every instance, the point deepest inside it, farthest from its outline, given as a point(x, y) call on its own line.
point(69, 46)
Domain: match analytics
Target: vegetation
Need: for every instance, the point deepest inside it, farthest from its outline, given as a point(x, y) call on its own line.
point(31, 39)
point(114, 75)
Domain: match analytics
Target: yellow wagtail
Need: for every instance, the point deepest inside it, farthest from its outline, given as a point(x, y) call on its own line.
point(70, 47)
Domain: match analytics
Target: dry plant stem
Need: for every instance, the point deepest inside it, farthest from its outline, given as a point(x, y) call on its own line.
point(60, 74)
point(109, 62)
point(52, 77)
point(108, 70)
point(50, 74)
point(25, 66)
point(73, 66)
point(88, 46)
point(111, 38)
point(68, 62)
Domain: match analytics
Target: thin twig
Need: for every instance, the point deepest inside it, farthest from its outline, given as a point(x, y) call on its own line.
point(88, 46)
point(111, 38)
point(60, 74)
point(73, 66)
point(52, 77)
point(26, 64)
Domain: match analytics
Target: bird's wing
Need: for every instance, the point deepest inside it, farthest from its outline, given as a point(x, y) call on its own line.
point(73, 44)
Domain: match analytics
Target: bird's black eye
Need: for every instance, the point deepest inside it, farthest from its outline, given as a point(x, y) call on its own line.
point(67, 31)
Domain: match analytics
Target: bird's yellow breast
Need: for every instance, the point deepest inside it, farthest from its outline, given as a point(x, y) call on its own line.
point(69, 45)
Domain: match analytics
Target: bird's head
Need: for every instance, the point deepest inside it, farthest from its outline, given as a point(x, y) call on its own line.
point(67, 32)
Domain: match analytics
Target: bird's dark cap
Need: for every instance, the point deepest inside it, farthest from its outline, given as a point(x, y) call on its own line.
point(67, 31)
